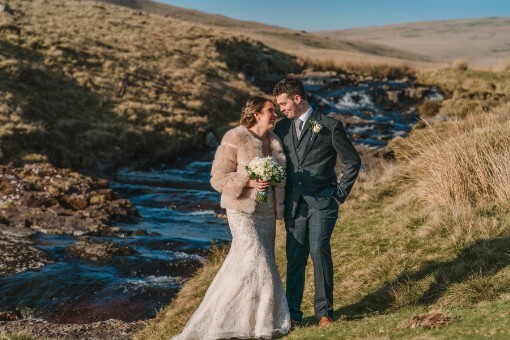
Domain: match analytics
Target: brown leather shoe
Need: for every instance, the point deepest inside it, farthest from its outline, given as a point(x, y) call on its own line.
point(294, 324)
point(325, 321)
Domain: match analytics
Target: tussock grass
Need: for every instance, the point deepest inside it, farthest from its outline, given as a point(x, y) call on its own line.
point(461, 174)
point(468, 90)
point(19, 335)
point(460, 65)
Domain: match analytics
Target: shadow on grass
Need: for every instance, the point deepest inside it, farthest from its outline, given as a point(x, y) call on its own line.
point(483, 259)
point(74, 125)
point(262, 65)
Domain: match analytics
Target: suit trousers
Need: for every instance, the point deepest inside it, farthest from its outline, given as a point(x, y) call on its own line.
point(309, 233)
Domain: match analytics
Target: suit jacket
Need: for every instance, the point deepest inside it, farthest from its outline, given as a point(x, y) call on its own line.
point(228, 174)
point(311, 163)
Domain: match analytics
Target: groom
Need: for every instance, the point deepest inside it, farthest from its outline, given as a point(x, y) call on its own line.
point(311, 142)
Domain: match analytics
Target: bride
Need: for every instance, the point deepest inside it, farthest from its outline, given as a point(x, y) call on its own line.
point(246, 298)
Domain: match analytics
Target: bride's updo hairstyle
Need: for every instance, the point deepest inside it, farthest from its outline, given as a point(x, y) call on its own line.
point(253, 106)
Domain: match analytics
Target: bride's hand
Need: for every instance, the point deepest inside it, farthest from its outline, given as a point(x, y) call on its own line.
point(258, 184)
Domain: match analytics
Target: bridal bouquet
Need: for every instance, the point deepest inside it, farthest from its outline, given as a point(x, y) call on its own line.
point(265, 169)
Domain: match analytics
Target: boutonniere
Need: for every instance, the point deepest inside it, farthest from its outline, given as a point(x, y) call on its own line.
point(315, 127)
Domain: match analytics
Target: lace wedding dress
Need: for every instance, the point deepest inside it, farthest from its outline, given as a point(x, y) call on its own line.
point(246, 298)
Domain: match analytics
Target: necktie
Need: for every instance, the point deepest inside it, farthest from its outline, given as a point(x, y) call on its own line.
point(299, 127)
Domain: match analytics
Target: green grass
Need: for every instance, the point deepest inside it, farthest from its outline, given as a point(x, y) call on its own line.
point(389, 267)
point(475, 322)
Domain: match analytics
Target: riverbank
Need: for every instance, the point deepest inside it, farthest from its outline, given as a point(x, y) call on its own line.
point(124, 270)
point(30, 329)
point(40, 198)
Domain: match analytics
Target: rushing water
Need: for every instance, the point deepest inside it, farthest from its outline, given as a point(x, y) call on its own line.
point(178, 213)
point(178, 209)
point(369, 116)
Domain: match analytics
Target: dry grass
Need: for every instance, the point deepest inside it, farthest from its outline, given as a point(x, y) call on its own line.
point(460, 65)
point(466, 162)
point(294, 42)
point(93, 83)
point(460, 174)
point(376, 70)
point(21, 335)
point(481, 42)
point(468, 90)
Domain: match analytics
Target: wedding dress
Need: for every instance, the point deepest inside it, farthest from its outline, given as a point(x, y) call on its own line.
point(246, 298)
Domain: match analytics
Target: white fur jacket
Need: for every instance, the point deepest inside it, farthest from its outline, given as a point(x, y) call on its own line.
point(238, 147)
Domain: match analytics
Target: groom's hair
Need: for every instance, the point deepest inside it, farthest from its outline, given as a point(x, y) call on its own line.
point(291, 87)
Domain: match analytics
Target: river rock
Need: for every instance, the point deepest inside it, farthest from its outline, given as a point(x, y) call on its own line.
point(18, 255)
point(394, 96)
point(9, 316)
point(59, 201)
point(5, 8)
point(348, 120)
point(99, 251)
point(42, 198)
point(184, 267)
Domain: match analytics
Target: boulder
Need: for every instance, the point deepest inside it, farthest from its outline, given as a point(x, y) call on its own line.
point(99, 251)
point(18, 255)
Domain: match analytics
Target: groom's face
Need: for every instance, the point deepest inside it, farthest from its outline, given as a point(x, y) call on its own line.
point(289, 105)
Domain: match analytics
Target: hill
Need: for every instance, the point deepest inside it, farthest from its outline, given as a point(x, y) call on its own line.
point(190, 15)
point(482, 42)
point(89, 84)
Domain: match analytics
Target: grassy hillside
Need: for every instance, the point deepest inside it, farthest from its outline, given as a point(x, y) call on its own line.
point(87, 83)
point(482, 42)
point(467, 90)
point(421, 246)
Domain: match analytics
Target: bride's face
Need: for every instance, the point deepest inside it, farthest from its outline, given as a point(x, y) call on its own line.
point(266, 118)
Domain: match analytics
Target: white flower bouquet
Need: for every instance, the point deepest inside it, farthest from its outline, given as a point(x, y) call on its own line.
point(265, 169)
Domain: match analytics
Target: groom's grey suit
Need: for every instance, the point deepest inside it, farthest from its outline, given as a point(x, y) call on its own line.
point(312, 195)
